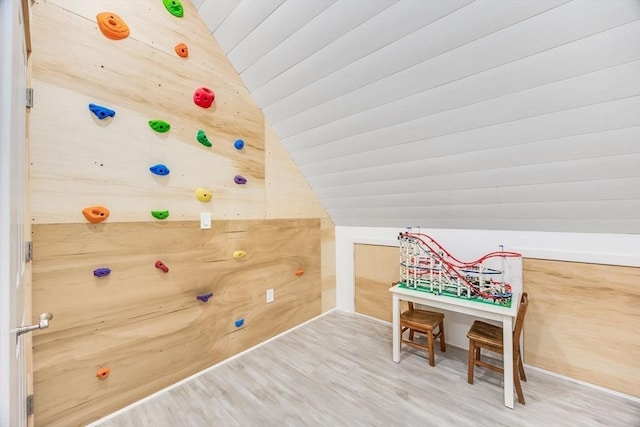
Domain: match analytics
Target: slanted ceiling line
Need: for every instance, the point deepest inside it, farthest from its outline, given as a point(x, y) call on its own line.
point(414, 166)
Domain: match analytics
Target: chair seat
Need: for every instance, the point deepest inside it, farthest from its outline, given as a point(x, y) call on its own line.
point(485, 333)
point(420, 319)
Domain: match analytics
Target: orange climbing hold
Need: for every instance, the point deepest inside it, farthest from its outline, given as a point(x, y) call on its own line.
point(182, 50)
point(95, 214)
point(103, 373)
point(112, 26)
point(299, 273)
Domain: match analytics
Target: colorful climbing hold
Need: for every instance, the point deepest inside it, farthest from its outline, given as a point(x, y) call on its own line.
point(101, 272)
point(160, 214)
point(202, 138)
point(159, 126)
point(203, 97)
point(239, 254)
point(101, 112)
point(95, 214)
point(182, 50)
point(103, 373)
point(298, 272)
point(239, 323)
point(204, 297)
point(112, 26)
point(239, 179)
point(160, 169)
point(174, 7)
point(239, 144)
point(161, 266)
point(203, 194)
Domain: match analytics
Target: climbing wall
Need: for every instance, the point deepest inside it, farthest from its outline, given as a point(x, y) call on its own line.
point(126, 157)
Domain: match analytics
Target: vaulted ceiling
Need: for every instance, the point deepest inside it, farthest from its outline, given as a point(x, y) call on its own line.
point(489, 114)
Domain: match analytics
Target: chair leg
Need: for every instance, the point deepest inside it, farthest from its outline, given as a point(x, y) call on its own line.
point(478, 356)
point(516, 383)
point(443, 345)
point(472, 363)
point(432, 361)
point(411, 331)
point(521, 369)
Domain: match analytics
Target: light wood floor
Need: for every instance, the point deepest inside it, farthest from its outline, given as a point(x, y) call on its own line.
point(337, 371)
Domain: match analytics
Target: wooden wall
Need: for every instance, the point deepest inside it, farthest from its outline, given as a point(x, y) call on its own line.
point(145, 325)
point(583, 319)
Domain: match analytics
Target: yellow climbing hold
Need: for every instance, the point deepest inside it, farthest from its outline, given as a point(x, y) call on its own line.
point(239, 254)
point(203, 194)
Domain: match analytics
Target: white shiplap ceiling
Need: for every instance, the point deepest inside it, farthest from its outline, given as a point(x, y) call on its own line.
point(488, 114)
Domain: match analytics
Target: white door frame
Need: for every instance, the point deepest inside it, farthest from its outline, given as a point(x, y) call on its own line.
point(13, 153)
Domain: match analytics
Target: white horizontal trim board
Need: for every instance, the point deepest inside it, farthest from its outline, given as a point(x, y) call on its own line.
point(613, 249)
point(586, 146)
point(332, 23)
point(478, 20)
point(275, 29)
point(411, 142)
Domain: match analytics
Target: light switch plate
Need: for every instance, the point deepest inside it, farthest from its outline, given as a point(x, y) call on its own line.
point(205, 221)
point(269, 295)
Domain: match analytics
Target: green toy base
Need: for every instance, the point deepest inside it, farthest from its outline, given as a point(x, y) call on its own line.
point(501, 302)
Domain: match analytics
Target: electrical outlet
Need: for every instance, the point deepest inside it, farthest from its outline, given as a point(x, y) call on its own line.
point(205, 221)
point(269, 295)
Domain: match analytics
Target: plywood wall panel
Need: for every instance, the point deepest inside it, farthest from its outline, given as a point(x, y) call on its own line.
point(584, 322)
point(376, 267)
point(146, 325)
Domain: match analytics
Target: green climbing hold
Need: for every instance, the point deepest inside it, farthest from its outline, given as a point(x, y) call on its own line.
point(159, 126)
point(202, 138)
point(160, 214)
point(174, 7)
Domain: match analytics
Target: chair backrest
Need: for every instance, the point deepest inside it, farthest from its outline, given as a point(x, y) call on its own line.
point(522, 310)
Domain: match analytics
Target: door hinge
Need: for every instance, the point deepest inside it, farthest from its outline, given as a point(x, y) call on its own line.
point(30, 405)
point(29, 97)
point(28, 256)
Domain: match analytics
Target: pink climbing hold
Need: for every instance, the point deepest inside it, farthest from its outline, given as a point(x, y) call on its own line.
point(203, 97)
point(160, 265)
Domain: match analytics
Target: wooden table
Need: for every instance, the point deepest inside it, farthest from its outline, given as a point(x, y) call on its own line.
point(506, 315)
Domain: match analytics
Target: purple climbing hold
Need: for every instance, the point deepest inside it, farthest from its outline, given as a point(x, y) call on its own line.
point(101, 272)
point(204, 297)
point(239, 179)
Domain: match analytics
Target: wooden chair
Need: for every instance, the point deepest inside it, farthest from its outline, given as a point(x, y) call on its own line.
point(423, 321)
point(483, 335)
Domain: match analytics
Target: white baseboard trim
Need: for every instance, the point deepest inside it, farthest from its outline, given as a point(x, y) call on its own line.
point(584, 383)
point(535, 368)
point(197, 374)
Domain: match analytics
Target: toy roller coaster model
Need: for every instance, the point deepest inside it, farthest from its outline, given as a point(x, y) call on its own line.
point(426, 266)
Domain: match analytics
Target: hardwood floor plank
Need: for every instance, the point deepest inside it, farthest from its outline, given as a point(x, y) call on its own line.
point(337, 371)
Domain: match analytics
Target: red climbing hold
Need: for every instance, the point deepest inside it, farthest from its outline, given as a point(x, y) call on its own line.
point(160, 265)
point(203, 97)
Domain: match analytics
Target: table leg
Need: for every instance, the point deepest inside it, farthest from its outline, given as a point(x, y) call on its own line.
point(507, 337)
point(396, 328)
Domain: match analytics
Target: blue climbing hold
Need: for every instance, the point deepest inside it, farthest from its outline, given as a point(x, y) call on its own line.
point(239, 144)
point(159, 169)
point(101, 112)
point(239, 323)
point(101, 272)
